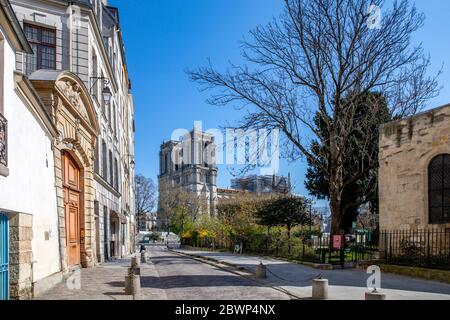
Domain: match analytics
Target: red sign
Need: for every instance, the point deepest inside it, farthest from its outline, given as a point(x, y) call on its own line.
point(337, 242)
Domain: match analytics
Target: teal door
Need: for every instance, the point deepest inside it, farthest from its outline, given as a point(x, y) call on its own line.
point(4, 253)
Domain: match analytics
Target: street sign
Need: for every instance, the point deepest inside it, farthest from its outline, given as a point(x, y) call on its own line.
point(337, 242)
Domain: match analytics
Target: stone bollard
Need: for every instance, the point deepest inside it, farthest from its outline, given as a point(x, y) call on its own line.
point(135, 261)
point(135, 268)
point(132, 283)
point(261, 271)
point(375, 295)
point(143, 257)
point(320, 289)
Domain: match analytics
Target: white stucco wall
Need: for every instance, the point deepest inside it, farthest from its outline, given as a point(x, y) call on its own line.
point(30, 186)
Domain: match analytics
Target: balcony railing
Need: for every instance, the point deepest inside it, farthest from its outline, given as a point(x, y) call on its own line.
point(3, 141)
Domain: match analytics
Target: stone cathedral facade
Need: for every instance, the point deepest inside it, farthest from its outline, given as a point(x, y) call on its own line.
point(190, 163)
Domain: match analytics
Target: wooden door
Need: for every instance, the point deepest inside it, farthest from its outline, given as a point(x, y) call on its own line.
point(72, 207)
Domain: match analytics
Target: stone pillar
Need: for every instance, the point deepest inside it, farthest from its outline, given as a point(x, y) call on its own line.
point(88, 258)
point(132, 284)
point(21, 256)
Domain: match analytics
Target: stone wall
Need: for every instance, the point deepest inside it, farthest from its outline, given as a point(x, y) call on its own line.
point(20, 256)
point(406, 149)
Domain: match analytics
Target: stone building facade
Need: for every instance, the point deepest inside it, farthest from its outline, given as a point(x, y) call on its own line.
point(414, 173)
point(88, 42)
point(190, 163)
point(29, 251)
point(70, 141)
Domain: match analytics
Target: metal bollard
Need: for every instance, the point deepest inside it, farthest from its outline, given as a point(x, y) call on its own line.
point(320, 289)
point(261, 271)
point(375, 295)
point(143, 257)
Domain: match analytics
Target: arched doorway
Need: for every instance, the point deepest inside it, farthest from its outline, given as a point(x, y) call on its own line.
point(73, 113)
point(73, 209)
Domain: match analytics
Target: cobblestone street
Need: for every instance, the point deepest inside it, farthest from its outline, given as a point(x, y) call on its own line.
point(166, 275)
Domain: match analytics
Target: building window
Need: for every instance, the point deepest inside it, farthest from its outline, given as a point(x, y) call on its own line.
point(111, 169)
point(116, 175)
point(109, 113)
point(104, 161)
point(96, 208)
point(95, 76)
point(439, 189)
point(166, 163)
point(43, 43)
point(114, 120)
point(97, 158)
point(102, 101)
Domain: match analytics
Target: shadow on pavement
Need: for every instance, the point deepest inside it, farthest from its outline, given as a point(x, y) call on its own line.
point(188, 281)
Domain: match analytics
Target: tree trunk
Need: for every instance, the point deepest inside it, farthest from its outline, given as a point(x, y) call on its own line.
point(335, 187)
point(336, 216)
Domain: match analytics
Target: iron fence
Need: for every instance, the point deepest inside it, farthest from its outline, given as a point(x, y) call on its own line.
point(316, 249)
point(418, 248)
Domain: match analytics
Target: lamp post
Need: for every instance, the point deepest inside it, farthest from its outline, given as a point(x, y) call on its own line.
point(106, 94)
point(132, 163)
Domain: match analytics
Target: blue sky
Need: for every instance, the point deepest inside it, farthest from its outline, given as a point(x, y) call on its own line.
point(163, 38)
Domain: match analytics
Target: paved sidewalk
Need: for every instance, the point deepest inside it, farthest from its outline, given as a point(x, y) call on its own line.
point(349, 284)
point(165, 276)
point(104, 282)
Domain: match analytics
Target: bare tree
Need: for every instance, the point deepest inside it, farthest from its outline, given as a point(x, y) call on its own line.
point(176, 204)
point(145, 197)
point(320, 59)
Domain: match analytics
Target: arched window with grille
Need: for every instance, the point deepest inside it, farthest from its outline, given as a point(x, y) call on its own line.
point(439, 189)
